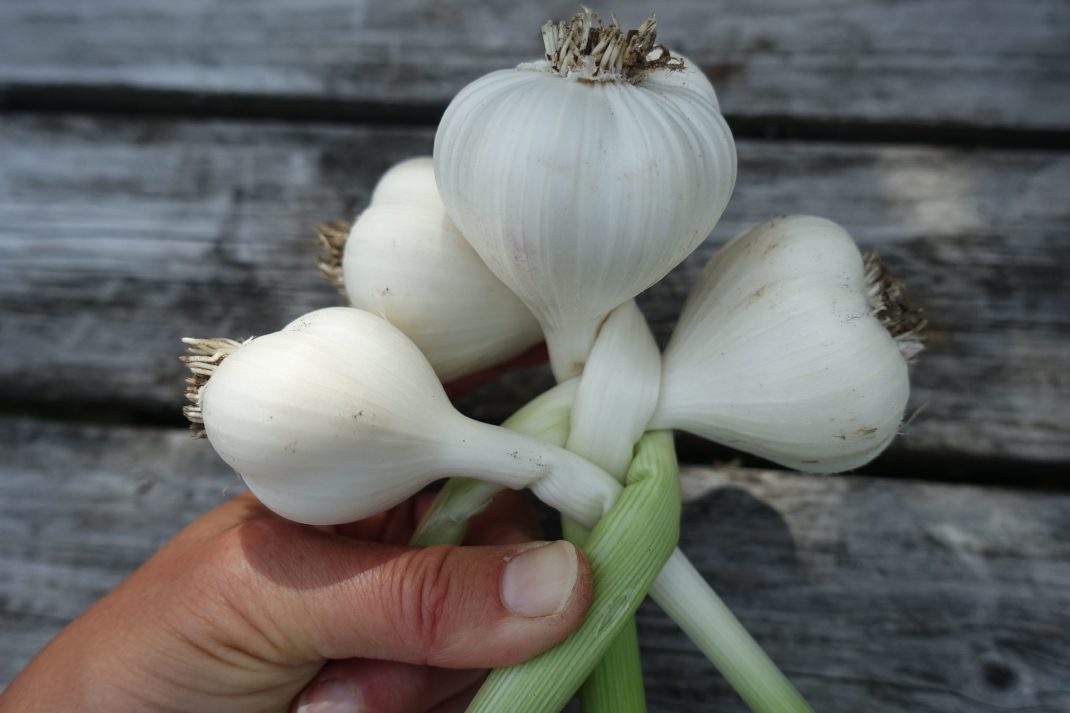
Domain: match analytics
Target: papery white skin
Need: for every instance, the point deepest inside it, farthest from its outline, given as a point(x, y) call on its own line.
point(580, 193)
point(406, 261)
point(339, 416)
point(777, 352)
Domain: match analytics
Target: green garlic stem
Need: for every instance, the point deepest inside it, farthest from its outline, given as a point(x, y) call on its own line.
point(679, 589)
point(447, 519)
point(685, 596)
point(616, 683)
point(607, 422)
point(627, 549)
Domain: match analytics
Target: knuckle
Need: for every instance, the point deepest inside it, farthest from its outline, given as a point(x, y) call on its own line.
point(422, 592)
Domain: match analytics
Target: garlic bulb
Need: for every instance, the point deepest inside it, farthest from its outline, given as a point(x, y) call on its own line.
point(405, 260)
point(339, 416)
point(583, 179)
point(778, 352)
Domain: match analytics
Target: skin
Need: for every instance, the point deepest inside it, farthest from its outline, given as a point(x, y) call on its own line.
point(243, 611)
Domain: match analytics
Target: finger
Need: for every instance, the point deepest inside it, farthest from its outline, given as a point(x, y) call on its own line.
point(318, 596)
point(383, 687)
point(510, 519)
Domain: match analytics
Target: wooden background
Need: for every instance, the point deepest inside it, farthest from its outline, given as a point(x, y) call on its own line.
point(162, 165)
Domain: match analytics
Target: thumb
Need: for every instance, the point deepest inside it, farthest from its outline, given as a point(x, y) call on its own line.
point(325, 596)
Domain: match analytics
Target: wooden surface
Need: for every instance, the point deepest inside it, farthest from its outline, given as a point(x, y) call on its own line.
point(162, 165)
point(961, 601)
point(963, 63)
point(122, 236)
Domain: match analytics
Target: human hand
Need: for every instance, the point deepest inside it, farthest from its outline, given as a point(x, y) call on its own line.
point(245, 611)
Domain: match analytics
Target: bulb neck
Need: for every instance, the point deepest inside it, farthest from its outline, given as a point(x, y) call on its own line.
point(561, 479)
point(570, 344)
point(586, 48)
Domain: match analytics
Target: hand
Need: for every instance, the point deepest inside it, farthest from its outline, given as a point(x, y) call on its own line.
point(245, 611)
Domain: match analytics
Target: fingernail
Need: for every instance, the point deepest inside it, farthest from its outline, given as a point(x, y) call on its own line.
point(539, 581)
point(331, 696)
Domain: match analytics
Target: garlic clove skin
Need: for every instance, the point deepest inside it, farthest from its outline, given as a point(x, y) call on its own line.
point(778, 352)
point(339, 416)
point(579, 192)
point(406, 261)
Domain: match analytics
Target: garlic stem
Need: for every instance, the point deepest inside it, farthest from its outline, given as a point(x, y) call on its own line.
point(615, 684)
point(608, 418)
point(626, 549)
point(607, 421)
point(546, 417)
point(686, 597)
point(446, 521)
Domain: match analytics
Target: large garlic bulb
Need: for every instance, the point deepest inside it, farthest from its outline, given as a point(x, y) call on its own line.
point(583, 179)
point(779, 352)
point(405, 260)
point(339, 416)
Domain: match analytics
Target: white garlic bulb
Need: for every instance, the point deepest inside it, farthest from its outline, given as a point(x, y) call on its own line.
point(339, 416)
point(405, 260)
point(583, 179)
point(778, 352)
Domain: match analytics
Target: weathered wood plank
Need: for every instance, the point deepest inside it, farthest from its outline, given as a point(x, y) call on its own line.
point(968, 63)
point(875, 595)
point(119, 237)
point(880, 594)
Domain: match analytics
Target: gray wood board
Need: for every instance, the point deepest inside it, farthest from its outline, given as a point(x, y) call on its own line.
point(118, 237)
point(872, 594)
point(968, 63)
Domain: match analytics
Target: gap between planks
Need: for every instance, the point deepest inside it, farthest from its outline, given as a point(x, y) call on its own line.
point(179, 105)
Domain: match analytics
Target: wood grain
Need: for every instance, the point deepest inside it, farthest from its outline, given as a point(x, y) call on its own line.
point(930, 63)
point(873, 594)
point(118, 237)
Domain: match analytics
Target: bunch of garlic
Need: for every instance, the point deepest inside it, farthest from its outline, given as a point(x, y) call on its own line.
point(558, 191)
